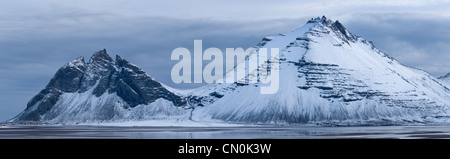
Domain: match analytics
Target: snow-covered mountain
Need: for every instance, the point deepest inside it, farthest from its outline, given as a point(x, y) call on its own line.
point(327, 74)
point(445, 79)
point(102, 90)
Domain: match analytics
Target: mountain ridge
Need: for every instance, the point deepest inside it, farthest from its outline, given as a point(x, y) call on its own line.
point(328, 75)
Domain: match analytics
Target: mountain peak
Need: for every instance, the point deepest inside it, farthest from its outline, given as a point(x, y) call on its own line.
point(323, 20)
point(101, 90)
point(101, 57)
point(336, 26)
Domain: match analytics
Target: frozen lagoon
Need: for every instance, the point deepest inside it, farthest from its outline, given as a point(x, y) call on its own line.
point(230, 132)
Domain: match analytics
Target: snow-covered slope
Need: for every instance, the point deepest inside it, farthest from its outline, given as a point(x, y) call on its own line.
point(103, 90)
point(327, 75)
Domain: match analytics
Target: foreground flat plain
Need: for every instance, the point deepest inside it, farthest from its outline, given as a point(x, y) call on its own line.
point(241, 132)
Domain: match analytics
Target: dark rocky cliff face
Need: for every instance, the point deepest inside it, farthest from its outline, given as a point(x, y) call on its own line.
point(104, 75)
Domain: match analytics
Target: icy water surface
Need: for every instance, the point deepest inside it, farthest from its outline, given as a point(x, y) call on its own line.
point(263, 132)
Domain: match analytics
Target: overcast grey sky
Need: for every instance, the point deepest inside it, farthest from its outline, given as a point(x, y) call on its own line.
point(39, 36)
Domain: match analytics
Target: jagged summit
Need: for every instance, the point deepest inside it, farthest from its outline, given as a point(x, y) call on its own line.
point(335, 26)
point(101, 57)
point(322, 20)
